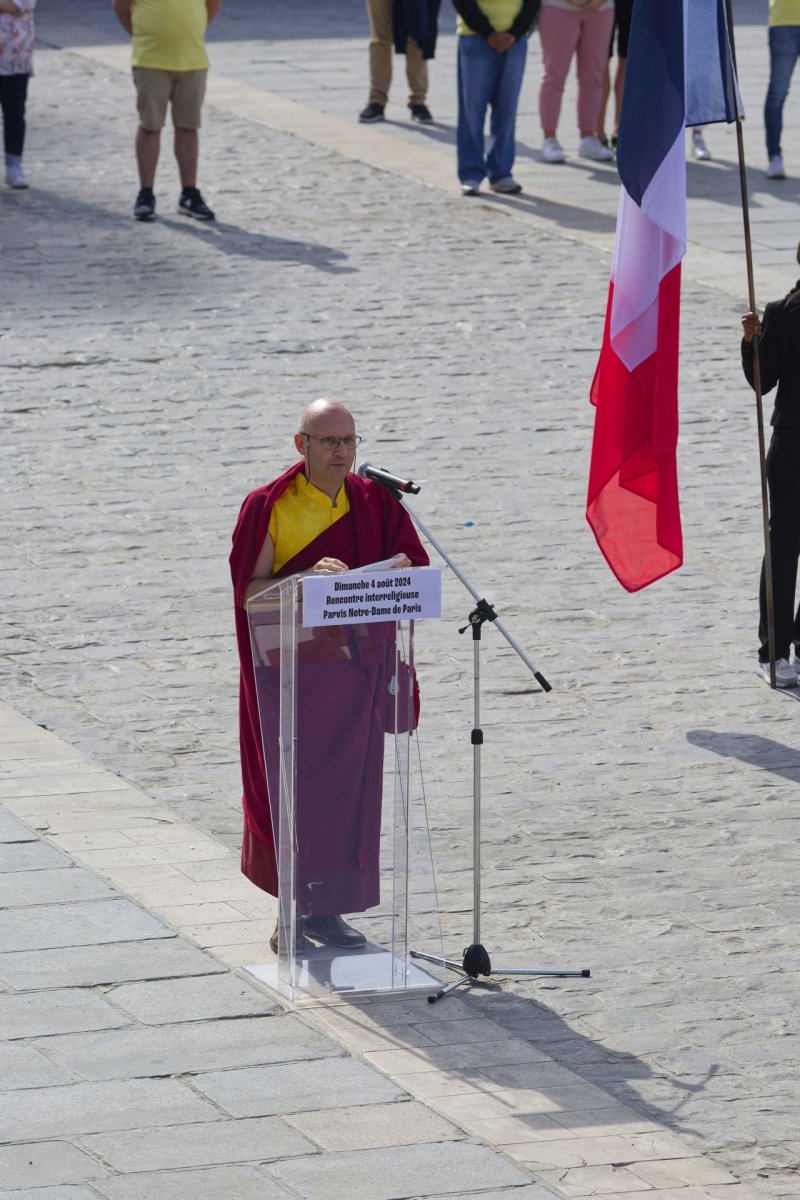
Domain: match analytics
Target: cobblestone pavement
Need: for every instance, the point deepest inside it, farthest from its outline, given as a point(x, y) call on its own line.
point(639, 818)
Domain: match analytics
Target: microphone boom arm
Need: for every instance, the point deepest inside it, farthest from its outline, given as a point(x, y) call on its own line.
point(483, 611)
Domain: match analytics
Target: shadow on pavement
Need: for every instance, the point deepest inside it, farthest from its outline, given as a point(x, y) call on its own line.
point(570, 216)
point(614, 1073)
point(752, 748)
point(233, 240)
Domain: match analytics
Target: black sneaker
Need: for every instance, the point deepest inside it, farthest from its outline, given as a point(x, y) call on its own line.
point(373, 112)
point(192, 204)
point(145, 207)
point(421, 113)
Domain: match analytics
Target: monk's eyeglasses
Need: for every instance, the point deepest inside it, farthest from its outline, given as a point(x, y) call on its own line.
point(332, 443)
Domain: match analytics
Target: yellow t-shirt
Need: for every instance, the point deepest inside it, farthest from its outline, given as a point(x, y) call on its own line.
point(501, 13)
point(169, 34)
point(300, 515)
point(784, 12)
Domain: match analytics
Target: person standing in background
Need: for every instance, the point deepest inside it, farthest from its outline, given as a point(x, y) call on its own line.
point(16, 67)
point(623, 11)
point(779, 360)
point(410, 28)
point(784, 48)
point(580, 28)
point(492, 48)
point(170, 65)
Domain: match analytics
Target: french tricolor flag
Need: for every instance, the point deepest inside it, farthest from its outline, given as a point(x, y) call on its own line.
point(679, 73)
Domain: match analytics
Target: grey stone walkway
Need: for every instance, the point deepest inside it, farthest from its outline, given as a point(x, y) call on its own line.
point(132, 1062)
point(121, 1042)
point(640, 818)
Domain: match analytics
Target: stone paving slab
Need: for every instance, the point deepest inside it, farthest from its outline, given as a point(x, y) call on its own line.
point(79, 1108)
point(445, 1169)
point(246, 1183)
point(42, 1163)
point(30, 856)
point(54, 1193)
point(183, 1048)
point(67, 1010)
point(12, 830)
point(19, 889)
point(286, 1087)
point(23, 1066)
point(256, 1139)
point(111, 962)
point(192, 999)
point(77, 925)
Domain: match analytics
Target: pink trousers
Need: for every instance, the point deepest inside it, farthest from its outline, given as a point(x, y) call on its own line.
point(566, 32)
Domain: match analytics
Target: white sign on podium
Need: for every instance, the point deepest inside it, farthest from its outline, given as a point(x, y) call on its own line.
point(358, 597)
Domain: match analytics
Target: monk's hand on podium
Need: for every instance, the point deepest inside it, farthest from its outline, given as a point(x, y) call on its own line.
point(330, 566)
point(399, 561)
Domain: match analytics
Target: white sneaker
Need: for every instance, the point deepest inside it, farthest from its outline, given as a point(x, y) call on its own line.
point(470, 188)
point(775, 169)
point(592, 147)
point(701, 150)
point(15, 176)
point(507, 186)
point(552, 151)
point(785, 674)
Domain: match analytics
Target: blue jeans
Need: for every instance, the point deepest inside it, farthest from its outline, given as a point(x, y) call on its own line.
point(784, 50)
point(487, 78)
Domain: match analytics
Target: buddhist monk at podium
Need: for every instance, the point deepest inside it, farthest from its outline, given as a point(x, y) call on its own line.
point(319, 517)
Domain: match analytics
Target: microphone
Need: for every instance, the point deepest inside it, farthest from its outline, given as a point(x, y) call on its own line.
point(393, 482)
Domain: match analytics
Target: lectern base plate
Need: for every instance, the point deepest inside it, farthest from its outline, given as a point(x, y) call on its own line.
point(328, 971)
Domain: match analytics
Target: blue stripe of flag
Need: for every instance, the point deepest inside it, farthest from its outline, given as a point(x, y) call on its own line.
point(712, 93)
point(653, 104)
point(658, 99)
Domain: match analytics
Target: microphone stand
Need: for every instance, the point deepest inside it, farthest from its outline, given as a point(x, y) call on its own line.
point(475, 960)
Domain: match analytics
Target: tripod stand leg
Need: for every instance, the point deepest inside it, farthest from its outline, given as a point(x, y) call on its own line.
point(451, 987)
point(558, 973)
point(440, 962)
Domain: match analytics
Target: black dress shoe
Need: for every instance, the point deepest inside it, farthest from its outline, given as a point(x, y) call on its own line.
point(301, 943)
point(333, 931)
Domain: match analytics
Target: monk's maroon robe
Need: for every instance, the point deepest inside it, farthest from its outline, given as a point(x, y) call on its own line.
point(339, 768)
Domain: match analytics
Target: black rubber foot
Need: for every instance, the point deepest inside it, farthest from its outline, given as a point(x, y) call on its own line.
point(477, 961)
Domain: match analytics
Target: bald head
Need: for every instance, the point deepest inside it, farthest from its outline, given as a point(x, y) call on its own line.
point(324, 411)
point(326, 438)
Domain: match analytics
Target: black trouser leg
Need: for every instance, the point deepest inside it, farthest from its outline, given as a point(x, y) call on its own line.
point(783, 478)
point(13, 94)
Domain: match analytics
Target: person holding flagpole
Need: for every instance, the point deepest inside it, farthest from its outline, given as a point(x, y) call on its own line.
point(779, 359)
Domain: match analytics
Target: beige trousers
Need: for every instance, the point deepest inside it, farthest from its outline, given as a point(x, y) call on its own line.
point(381, 49)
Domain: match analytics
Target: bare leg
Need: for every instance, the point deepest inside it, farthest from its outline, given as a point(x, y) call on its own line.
point(186, 149)
point(148, 144)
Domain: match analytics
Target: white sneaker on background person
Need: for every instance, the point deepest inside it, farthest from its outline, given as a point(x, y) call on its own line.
point(15, 176)
point(552, 150)
point(785, 674)
point(591, 147)
point(699, 147)
point(775, 169)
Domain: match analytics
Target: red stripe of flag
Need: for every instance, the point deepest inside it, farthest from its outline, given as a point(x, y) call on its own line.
point(632, 504)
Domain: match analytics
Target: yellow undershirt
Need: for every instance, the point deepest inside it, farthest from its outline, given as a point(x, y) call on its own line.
point(301, 514)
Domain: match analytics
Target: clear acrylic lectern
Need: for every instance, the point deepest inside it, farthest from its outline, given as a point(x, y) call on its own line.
point(338, 709)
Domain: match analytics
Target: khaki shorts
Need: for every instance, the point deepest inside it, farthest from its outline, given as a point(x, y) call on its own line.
point(155, 89)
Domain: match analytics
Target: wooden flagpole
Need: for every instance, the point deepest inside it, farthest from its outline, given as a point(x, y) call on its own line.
point(751, 288)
